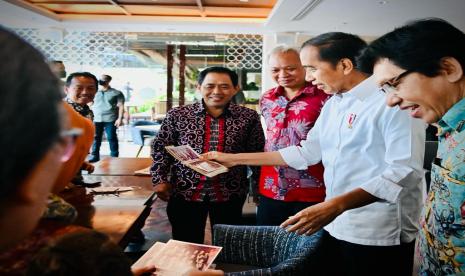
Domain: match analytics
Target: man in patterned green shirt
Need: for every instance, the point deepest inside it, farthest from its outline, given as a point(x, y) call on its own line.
point(421, 67)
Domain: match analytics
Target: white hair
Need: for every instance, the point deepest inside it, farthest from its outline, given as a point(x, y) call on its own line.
point(280, 49)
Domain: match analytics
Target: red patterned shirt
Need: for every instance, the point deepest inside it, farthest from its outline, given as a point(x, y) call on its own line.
point(287, 123)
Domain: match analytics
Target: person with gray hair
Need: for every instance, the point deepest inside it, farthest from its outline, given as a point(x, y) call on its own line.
point(290, 110)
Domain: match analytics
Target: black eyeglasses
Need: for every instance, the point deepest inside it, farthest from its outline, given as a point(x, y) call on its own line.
point(391, 84)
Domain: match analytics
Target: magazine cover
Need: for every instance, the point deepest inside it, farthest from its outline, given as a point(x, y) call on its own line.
point(178, 257)
point(190, 158)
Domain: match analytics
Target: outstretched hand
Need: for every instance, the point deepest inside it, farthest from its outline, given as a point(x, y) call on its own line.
point(226, 159)
point(313, 218)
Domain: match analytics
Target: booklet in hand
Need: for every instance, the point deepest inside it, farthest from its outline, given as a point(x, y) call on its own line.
point(190, 158)
point(177, 257)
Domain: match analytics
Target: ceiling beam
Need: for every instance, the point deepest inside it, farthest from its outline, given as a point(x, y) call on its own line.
point(156, 18)
point(114, 3)
point(35, 8)
point(202, 10)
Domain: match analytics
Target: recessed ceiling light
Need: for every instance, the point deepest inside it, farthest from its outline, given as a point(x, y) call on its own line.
point(243, 0)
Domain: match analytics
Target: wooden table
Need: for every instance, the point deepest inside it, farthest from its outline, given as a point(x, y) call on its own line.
point(120, 166)
point(120, 215)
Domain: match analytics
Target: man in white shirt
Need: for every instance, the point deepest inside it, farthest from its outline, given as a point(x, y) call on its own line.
point(373, 157)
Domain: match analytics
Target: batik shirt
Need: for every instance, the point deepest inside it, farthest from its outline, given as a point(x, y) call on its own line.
point(240, 131)
point(287, 123)
point(84, 110)
point(442, 236)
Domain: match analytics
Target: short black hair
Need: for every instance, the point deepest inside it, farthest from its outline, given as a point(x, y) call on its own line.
point(56, 62)
point(81, 74)
point(29, 110)
point(418, 46)
point(107, 77)
point(87, 253)
point(335, 46)
point(218, 69)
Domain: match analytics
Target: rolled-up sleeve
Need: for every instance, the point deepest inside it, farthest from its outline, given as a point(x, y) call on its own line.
point(404, 140)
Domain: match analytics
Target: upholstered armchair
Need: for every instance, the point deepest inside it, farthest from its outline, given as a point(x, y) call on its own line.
point(143, 132)
point(264, 250)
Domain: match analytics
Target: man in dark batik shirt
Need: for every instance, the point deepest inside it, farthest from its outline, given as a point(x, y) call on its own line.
point(215, 124)
point(80, 89)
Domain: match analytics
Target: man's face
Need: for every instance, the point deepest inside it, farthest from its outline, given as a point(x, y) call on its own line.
point(286, 70)
point(323, 74)
point(419, 94)
point(81, 90)
point(217, 90)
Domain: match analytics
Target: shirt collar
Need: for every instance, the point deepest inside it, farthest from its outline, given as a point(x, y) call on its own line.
point(201, 110)
point(68, 100)
point(454, 117)
point(307, 89)
point(364, 89)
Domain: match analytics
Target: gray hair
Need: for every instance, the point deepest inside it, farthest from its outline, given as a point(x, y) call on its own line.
point(280, 49)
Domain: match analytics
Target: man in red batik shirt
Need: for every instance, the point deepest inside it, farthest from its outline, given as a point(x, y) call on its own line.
point(290, 111)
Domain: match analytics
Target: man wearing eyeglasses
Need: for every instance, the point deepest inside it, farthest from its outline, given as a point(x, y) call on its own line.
point(373, 157)
point(427, 79)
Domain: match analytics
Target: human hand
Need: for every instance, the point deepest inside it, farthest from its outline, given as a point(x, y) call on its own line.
point(163, 190)
point(143, 270)
point(313, 218)
point(86, 166)
point(226, 159)
point(256, 200)
point(208, 272)
point(118, 122)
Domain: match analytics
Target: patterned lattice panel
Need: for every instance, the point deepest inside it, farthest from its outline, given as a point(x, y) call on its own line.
point(244, 51)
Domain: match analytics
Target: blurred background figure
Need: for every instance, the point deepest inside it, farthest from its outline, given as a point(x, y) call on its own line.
point(108, 111)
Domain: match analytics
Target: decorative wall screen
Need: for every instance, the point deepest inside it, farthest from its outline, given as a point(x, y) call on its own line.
point(111, 49)
point(84, 47)
point(244, 51)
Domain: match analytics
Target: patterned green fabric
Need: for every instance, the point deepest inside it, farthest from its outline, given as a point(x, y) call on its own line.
point(441, 246)
point(59, 209)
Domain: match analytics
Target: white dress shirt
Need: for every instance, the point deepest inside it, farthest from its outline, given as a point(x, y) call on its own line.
point(365, 144)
